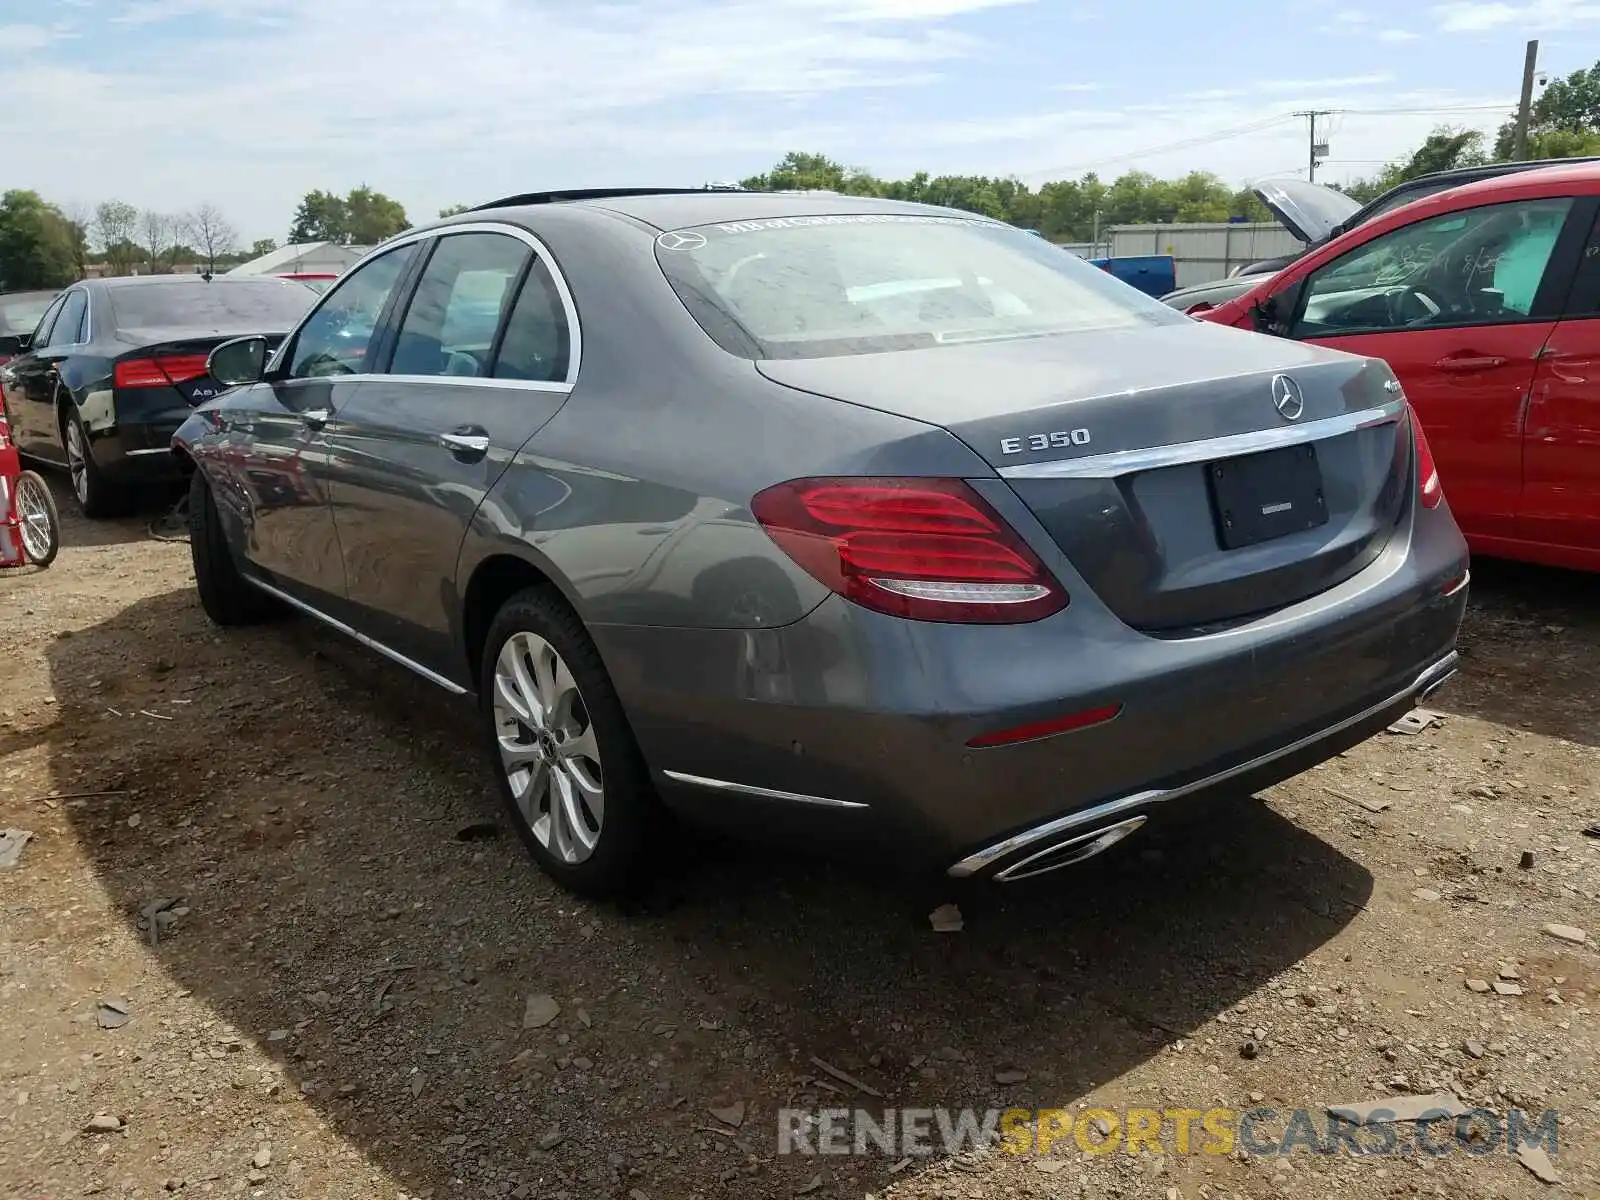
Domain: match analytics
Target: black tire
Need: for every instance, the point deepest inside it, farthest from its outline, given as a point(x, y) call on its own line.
point(224, 593)
point(634, 819)
point(35, 492)
point(97, 496)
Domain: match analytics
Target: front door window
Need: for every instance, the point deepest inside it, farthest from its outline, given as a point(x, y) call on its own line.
point(1480, 266)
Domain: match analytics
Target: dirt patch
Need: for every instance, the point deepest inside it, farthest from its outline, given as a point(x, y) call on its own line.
point(248, 843)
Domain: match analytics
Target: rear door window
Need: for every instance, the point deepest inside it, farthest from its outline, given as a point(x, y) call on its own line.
point(454, 316)
point(41, 334)
point(68, 329)
point(537, 345)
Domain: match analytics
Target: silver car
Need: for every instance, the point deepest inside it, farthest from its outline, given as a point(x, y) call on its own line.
point(830, 519)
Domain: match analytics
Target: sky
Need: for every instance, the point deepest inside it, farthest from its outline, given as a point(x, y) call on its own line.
point(248, 104)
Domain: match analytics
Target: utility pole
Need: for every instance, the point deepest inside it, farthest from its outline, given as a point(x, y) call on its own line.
point(1519, 145)
point(1316, 149)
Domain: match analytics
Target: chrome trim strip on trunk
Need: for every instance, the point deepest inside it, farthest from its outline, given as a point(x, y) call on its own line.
point(1125, 462)
point(151, 450)
point(370, 643)
point(973, 863)
point(745, 789)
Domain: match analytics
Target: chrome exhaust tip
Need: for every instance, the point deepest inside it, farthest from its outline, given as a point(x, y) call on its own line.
point(1070, 851)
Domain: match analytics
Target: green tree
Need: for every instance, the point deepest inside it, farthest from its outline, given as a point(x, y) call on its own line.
point(797, 172)
point(263, 246)
point(363, 217)
point(454, 210)
point(1570, 104)
point(1447, 147)
point(36, 243)
point(370, 217)
point(116, 226)
point(321, 217)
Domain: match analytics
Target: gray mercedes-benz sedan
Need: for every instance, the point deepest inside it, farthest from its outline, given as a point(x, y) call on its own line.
point(834, 519)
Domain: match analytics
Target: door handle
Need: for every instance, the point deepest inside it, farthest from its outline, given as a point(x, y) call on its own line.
point(465, 444)
point(316, 418)
point(1470, 362)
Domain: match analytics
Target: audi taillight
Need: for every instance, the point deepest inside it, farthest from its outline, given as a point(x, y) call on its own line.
point(1429, 489)
point(161, 371)
point(924, 549)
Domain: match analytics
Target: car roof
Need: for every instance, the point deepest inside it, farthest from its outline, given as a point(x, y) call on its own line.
point(1578, 178)
point(678, 209)
point(125, 281)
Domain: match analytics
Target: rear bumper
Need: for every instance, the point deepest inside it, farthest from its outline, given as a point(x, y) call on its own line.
point(849, 727)
point(1017, 853)
point(138, 452)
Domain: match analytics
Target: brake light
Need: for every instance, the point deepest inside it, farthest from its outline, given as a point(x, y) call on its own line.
point(1429, 489)
point(162, 371)
point(924, 549)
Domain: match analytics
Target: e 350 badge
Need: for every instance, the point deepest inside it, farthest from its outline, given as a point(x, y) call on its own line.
point(1061, 439)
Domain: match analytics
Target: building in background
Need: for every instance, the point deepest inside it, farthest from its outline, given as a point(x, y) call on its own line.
point(306, 258)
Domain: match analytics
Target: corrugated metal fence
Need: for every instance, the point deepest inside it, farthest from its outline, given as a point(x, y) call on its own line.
point(1203, 252)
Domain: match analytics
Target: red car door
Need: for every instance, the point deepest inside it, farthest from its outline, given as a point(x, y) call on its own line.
point(1560, 519)
point(1460, 304)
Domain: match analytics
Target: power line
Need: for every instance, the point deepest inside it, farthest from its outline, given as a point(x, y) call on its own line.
point(1203, 139)
point(1221, 135)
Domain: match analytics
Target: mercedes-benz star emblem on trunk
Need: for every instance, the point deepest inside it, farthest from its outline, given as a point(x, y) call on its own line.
point(1286, 398)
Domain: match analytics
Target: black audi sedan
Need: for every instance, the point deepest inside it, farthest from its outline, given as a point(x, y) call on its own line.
point(114, 366)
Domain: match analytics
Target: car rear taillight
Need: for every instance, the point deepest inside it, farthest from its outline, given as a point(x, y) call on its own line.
point(924, 549)
point(1429, 489)
point(161, 371)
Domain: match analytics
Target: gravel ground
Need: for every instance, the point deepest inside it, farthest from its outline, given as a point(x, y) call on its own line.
point(342, 997)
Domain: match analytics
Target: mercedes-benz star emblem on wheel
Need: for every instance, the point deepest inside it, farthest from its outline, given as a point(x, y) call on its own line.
point(1286, 398)
point(675, 239)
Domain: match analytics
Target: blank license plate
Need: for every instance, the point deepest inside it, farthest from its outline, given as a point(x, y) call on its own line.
point(1258, 497)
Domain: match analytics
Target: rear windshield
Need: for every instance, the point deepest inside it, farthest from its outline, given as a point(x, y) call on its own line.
point(820, 287)
point(21, 313)
point(270, 305)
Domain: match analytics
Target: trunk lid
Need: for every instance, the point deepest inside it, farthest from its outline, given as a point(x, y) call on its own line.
point(1158, 459)
point(180, 353)
point(1308, 210)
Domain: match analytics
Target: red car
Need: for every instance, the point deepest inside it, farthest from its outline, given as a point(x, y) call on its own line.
point(1485, 300)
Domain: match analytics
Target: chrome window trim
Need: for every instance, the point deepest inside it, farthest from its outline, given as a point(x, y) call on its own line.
point(533, 241)
point(528, 385)
point(1426, 682)
point(371, 643)
point(746, 789)
point(1125, 462)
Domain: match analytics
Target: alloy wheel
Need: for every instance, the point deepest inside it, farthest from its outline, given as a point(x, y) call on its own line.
point(33, 512)
point(77, 462)
point(548, 748)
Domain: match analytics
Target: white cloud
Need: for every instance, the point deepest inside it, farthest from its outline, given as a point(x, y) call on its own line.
point(1469, 16)
point(261, 105)
point(26, 39)
point(1397, 36)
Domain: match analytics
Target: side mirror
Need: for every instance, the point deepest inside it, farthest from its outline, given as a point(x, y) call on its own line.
point(12, 344)
point(1275, 314)
point(241, 361)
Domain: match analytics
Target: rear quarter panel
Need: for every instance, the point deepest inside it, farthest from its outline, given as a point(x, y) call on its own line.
point(635, 497)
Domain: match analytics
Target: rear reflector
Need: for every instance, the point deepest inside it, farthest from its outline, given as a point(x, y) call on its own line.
point(1429, 489)
point(924, 549)
point(1039, 729)
point(162, 371)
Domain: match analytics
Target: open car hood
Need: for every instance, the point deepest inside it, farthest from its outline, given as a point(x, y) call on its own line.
point(1307, 210)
